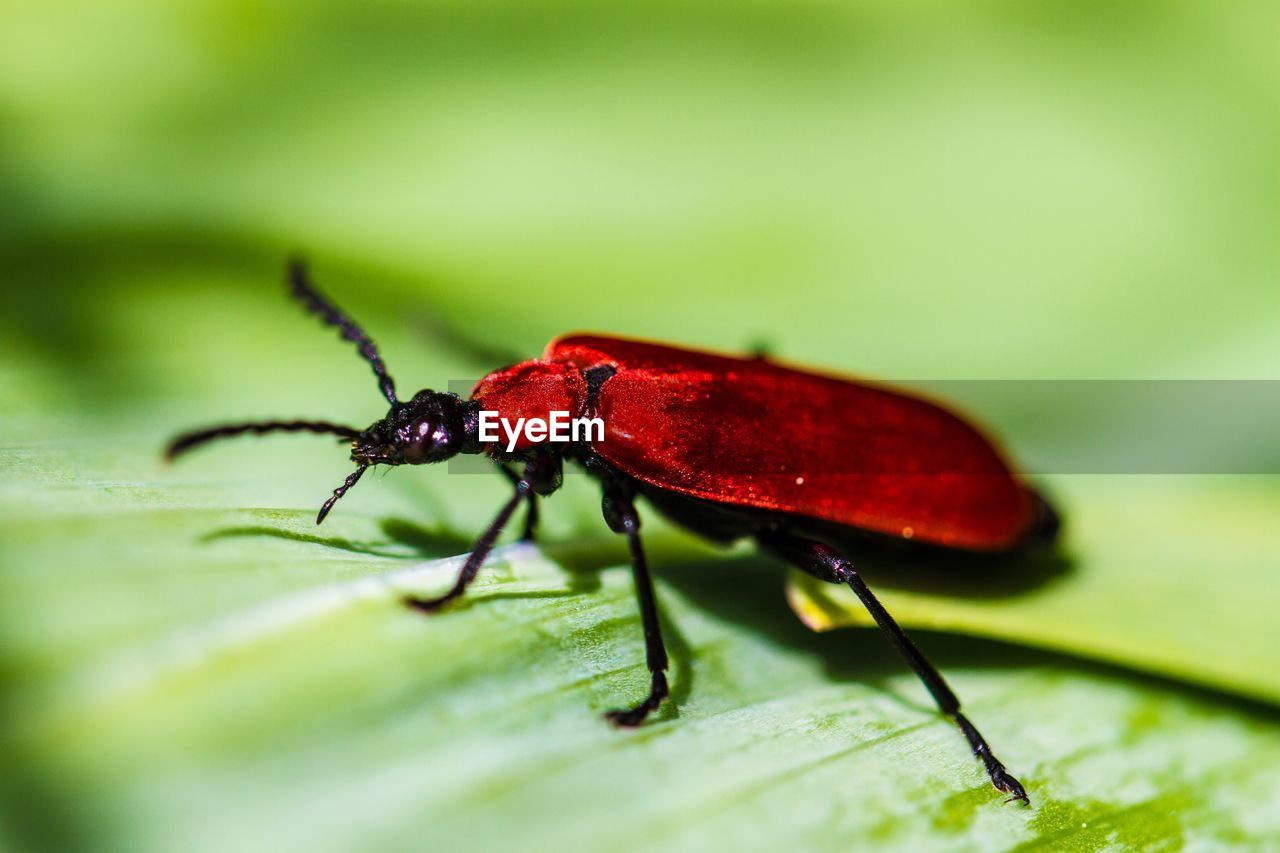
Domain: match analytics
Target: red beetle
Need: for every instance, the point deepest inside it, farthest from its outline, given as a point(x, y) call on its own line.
point(726, 447)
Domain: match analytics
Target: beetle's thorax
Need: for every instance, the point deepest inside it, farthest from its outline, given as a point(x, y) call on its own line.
point(530, 390)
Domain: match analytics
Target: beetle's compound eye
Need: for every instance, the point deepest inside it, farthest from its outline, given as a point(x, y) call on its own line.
point(428, 440)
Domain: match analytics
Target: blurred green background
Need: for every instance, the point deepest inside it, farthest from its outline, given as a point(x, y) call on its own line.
point(1030, 190)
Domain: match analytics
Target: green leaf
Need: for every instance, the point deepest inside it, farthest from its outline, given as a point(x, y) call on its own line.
point(186, 676)
point(1035, 191)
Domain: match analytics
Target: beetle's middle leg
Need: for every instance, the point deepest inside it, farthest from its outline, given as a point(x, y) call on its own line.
point(621, 516)
point(825, 563)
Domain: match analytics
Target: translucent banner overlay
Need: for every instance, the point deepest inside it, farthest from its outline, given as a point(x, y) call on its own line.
point(1044, 426)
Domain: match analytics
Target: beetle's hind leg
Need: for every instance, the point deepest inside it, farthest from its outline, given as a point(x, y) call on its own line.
point(620, 514)
point(827, 564)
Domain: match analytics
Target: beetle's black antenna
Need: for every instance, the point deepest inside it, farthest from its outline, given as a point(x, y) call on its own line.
point(188, 440)
point(300, 285)
point(340, 491)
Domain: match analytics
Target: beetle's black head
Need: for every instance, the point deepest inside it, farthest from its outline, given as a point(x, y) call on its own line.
point(429, 428)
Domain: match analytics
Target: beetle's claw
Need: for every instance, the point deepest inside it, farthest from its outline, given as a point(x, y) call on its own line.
point(627, 718)
point(426, 605)
point(1006, 783)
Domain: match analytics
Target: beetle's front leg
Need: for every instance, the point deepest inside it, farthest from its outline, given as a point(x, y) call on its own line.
point(531, 516)
point(542, 476)
point(620, 514)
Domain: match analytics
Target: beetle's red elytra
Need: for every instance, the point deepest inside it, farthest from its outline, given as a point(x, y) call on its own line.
point(727, 447)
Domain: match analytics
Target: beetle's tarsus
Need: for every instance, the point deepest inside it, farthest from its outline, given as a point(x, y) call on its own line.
point(1006, 783)
point(629, 718)
point(427, 605)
